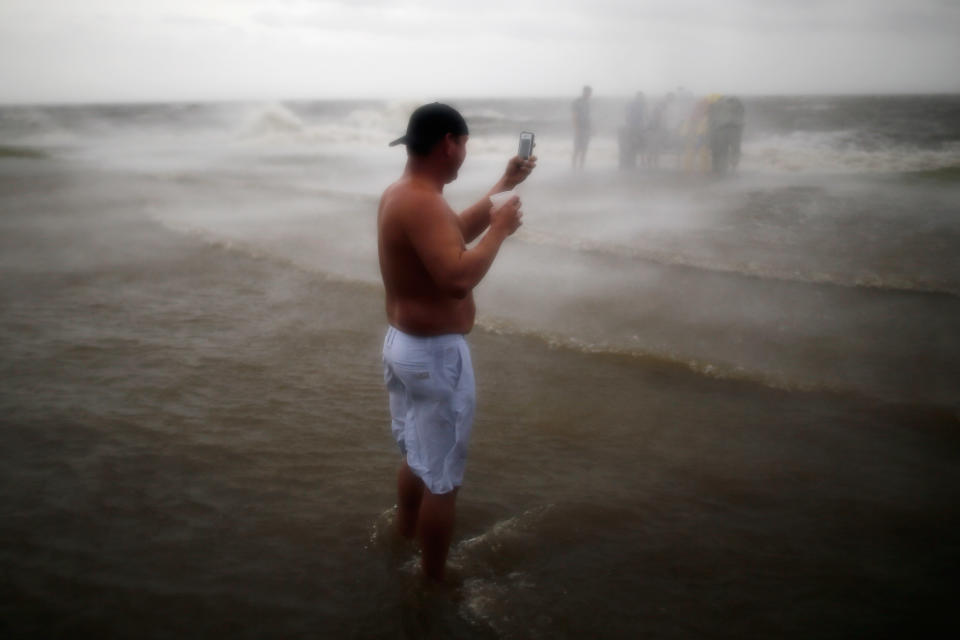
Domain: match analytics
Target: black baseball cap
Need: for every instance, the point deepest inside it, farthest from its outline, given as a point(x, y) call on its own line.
point(429, 124)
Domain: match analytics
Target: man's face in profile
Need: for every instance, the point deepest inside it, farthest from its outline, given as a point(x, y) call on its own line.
point(458, 153)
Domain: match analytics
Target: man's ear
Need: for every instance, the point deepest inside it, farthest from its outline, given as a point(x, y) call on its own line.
point(449, 144)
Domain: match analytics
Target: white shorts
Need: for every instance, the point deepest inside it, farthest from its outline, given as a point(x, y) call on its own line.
point(432, 398)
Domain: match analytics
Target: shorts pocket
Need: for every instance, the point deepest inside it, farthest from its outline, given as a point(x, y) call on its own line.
point(452, 365)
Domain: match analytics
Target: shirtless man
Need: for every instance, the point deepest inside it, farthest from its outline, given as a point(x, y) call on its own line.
point(429, 274)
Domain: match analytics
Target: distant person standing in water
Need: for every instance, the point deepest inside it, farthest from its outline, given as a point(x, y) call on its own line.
point(581, 127)
point(726, 130)
point(658, 133)
point(429, 275)
point(632, 139)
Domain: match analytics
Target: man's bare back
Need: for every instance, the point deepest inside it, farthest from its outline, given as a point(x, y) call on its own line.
point(416, 303)
point(428, 272)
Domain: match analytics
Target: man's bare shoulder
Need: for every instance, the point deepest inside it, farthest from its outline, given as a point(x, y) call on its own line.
point(405, 201)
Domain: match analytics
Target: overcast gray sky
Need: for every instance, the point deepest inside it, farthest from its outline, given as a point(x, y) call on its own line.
point(106, 50)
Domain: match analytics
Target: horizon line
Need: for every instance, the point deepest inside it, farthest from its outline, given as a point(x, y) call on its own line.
point(618, 96)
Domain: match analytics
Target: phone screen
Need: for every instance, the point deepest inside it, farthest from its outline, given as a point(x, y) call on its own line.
point(526, 144)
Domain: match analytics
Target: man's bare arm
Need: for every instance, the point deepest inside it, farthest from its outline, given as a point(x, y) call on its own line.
point(476, 219)
point(435, 236)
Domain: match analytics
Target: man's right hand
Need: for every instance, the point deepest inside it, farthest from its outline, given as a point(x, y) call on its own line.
point(506, 217)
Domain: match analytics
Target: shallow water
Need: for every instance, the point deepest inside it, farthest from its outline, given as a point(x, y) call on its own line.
point(697, 416)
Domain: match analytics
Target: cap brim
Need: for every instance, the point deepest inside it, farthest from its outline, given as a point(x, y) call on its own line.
point(400, 140)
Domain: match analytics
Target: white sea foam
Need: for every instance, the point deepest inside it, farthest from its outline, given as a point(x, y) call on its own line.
point(273, 119)
point(368, 126)
point(829, 153)
point(493, 585)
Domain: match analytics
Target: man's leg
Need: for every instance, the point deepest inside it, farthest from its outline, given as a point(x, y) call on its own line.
point(436, 531)
point(410, 492)
point(578, 150)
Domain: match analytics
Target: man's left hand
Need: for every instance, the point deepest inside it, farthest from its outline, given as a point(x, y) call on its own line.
point(517, 170)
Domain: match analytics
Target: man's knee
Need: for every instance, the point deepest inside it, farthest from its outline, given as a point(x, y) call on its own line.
point(440, 504)
point(411, 486)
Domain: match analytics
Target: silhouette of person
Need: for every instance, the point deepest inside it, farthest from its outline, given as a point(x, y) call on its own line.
point(581, 127)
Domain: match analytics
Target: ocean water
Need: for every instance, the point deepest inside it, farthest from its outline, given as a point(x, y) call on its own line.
point(707, 407)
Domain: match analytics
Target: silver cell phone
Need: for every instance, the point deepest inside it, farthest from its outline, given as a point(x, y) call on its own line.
point(526, 144)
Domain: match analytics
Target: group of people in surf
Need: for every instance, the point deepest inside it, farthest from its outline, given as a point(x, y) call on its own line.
point(703, 133)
